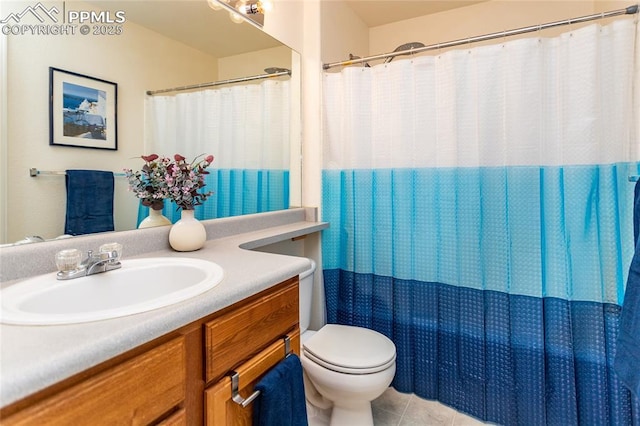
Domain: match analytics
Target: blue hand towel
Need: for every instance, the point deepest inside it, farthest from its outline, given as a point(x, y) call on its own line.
point(281, 401)
point(627, 360)
point(89, 202)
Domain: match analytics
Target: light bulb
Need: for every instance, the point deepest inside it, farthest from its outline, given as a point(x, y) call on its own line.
point(265, 6)
point(236, 17)
point(241, 7)
point(215, 4)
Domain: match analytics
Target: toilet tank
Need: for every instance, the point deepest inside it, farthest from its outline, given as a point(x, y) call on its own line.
point(306, 291)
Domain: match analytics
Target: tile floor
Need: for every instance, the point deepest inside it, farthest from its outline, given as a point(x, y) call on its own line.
point(400, 409)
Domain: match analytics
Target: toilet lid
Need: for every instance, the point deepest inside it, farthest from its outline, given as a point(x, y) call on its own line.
point(353, 350)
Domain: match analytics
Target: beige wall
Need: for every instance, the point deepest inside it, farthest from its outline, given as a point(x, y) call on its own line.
point(342, 33)
point(138, 60)
point(484, 18)
point(253, 63)
point(3, 136)
point(285, 23)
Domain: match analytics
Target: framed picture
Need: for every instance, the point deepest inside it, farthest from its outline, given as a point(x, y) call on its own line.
point(82, 111)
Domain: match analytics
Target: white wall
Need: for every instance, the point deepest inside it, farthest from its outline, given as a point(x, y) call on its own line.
point(138, 60)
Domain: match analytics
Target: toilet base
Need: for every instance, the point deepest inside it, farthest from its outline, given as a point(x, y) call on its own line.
point(355, 414)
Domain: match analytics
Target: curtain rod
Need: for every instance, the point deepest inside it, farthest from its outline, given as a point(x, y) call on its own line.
point(221, 82)
point(631, 10)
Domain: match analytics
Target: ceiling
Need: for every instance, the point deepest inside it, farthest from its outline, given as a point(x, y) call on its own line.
point(380, 12)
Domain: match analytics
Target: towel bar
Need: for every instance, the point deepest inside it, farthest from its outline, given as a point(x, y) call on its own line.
point(33, 172)
point(634, 178)
point(235, 380)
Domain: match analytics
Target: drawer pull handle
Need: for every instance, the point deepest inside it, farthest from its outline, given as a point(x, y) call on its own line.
point(235, 381)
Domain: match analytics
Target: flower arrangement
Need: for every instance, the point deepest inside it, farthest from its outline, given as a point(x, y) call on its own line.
point(177, 180)
point(184, 180)
point(149, 183)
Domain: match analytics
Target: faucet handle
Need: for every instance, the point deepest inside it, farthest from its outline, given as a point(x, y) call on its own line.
point(68, 260)
point(113, 251)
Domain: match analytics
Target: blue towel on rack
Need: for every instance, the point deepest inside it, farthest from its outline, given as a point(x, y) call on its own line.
point(627, 360)
point(89, 202)
point(281, 401)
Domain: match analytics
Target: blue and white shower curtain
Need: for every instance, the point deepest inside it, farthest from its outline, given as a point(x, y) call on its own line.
point(245, 127)
point(481, 217)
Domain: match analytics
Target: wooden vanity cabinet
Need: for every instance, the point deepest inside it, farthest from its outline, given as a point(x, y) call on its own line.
point(252, 334)
point(138, 391)
point(178, 379)
point(245, 330)
point(220, 407)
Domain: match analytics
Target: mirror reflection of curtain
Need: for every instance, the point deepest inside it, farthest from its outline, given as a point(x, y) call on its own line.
point(481, 217)
point(246, 129)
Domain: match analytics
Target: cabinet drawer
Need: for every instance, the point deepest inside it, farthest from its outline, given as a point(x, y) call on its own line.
point(220, 409)
point(138, 391)
point(237, 335)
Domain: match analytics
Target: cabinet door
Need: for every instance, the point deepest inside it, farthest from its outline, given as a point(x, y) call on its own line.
point(220, 408)
point(136, 392)
point(179, 418)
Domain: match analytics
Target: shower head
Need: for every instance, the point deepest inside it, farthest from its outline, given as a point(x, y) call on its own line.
point(273, 70)
point(408, 47)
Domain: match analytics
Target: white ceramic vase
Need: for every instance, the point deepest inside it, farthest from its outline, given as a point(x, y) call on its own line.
point(187, 234)
point(155, 218)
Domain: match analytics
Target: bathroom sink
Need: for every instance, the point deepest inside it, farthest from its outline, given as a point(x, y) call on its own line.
point(140, 285)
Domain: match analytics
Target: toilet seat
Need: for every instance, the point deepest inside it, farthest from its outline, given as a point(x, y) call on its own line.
point(350, 350)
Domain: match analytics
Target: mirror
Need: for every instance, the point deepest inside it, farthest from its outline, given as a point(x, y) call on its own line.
point(140, 46)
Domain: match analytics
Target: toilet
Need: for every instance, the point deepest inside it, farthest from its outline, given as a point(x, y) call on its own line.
point(345, 367)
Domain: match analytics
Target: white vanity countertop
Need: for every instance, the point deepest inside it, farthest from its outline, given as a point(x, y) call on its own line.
point(35, 357)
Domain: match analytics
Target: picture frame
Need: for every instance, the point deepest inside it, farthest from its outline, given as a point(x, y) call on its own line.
point(82, 111)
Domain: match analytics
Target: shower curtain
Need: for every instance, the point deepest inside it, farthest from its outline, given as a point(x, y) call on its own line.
point(481, 217)
point(246, 129)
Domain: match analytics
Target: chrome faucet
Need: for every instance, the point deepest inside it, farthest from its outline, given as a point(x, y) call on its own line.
point(69, 265)
point(101, 262)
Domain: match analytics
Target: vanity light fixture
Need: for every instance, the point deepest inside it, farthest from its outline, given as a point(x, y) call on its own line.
point(261, 6)
point(238, 17)
point(215, 4)
point(239, 9)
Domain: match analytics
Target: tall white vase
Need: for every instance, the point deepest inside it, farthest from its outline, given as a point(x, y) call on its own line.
point(187, 234)
point(155, 218)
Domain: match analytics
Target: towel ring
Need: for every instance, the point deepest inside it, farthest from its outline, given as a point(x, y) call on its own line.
point(235, 380)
